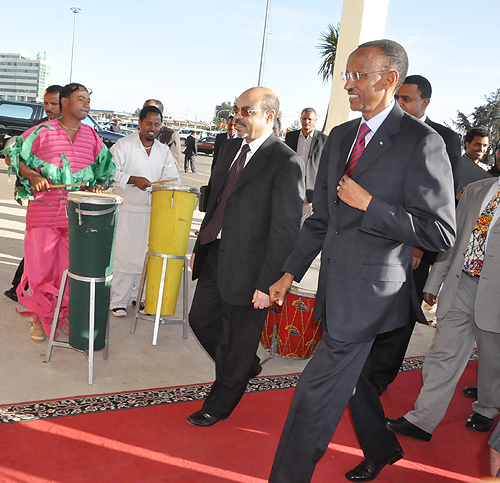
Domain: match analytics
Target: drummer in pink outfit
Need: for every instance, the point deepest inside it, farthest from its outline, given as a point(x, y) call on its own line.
point(58, 152)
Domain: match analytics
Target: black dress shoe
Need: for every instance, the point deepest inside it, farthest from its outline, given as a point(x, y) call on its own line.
point(470, 391)
point(11, 294)
point(200, 418)
point(478, 422)
point(368, 470)
point(404, 427)
point(256, 371)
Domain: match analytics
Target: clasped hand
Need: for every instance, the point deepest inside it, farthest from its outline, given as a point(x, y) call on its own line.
point(353, 194)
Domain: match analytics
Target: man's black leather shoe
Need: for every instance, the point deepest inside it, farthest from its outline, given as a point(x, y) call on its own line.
point(200, 418)
point(404, 427)
point(11, 294)
point(478, 422)
point(368, 470)
point(470, 391)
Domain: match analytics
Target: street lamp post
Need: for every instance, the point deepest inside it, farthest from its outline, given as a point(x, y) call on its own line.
point(75, 10)
point(264, 38)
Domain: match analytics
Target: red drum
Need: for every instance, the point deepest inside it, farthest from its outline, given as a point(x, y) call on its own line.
point(297, 332)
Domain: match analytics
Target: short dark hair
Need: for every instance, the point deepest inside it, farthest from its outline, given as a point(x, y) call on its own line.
point(395, 55)
point(270, 101)
point(424, 86)
point(146, 110)
point(68, 89)
point(476, 131)
point(309, 109)
point(53, 89)
point(157, 102)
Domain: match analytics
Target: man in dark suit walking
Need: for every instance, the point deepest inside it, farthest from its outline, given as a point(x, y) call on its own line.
point(221, 138)
point(251, 223)
point(308, 143)
point(389, 349)
point(190, 152)
point(371, 206)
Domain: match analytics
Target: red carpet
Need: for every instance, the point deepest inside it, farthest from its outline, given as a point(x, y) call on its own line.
point(155, 444)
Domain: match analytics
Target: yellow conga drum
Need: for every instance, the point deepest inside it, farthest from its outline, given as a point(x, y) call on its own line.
point(172, 209)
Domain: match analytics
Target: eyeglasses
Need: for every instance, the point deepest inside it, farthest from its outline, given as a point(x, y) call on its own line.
point(244, 111)
point(354, 76)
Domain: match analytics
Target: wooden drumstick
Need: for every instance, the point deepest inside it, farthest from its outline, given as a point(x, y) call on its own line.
point(72, 185)
point(164, 181)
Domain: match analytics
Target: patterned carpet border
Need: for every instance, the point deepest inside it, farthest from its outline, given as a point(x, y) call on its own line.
point(139, 399)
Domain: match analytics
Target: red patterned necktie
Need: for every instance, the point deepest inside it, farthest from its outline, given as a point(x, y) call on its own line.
point(214, 226)
point(357, 149)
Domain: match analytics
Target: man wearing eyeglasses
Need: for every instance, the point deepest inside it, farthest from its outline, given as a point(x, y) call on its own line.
point(383, 186)
point(251, 223)
point(389, 349)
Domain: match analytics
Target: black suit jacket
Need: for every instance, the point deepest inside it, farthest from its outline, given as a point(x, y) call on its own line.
point(191, 146)
point(365, 283)
point(261, 219)
point(219, 141)
point(318, 141)
point(452, 142)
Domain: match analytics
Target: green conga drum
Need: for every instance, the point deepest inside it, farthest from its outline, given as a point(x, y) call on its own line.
point(92, 223)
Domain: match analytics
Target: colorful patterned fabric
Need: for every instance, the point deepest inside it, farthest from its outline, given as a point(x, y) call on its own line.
point(474, 254)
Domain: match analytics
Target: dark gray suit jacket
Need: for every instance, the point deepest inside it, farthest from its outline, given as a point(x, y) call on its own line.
point(318, 141)
point(365, 284)
point(467, 172)
point(261, 220)
point(451, 140)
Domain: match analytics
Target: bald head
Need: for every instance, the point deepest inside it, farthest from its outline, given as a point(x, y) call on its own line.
point(256, 110)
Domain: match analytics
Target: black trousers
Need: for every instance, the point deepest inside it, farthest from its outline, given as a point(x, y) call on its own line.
point(389, 349)
point(336, 375)
point(229, 333)
point(17, 276)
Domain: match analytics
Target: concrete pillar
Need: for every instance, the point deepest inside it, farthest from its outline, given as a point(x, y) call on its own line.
point(362, 20)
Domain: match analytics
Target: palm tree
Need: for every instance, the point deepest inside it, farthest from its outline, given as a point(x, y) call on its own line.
point(328, 48)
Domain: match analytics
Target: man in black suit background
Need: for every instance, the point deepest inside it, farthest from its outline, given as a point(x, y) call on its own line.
point(252, 221)
point(190, 153)
point(389, 349)
point(222, 137)
point(371, 206)
point(308, 143)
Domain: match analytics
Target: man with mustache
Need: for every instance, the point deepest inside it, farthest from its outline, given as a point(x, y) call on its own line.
point(252, 220)
point(140, 159)
point(60, 151)
point(384, 185)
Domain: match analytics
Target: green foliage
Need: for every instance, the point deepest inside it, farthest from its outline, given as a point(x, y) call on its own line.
point(487, 115)
point(137, 112)
point(221, 114)
point(328, 51)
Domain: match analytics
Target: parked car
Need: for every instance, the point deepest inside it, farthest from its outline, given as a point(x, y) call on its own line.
point(206, 145)
point(16, 117)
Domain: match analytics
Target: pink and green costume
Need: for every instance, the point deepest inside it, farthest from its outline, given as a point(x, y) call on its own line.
point(48, 150)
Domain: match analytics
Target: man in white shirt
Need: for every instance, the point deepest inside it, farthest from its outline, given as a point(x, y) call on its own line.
point(140, 159)
point(308, 143)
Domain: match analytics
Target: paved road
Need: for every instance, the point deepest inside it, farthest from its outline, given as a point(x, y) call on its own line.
point(203, 168)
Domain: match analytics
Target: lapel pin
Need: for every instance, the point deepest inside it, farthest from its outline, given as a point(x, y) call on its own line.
point(381, 143)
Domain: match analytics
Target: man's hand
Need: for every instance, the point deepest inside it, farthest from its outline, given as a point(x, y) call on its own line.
point(38, 182)
point(459, 194)
point(191, 261)
point(260, 300)
point(141, 182)
point(353, 194)
point(277, 291)
point(429, 298)
point(417, 257)
point(96, 189)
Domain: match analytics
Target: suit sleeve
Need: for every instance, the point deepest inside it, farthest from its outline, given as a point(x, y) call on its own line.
point(287, 199)
point(427, 218)
point(175, 147)
point(314, 230)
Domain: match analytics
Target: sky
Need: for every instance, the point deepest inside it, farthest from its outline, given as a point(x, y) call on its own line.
point(193, 55)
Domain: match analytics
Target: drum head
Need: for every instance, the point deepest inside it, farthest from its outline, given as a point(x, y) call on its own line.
point(173, 187)
point(302, 292)
point(94, 198)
